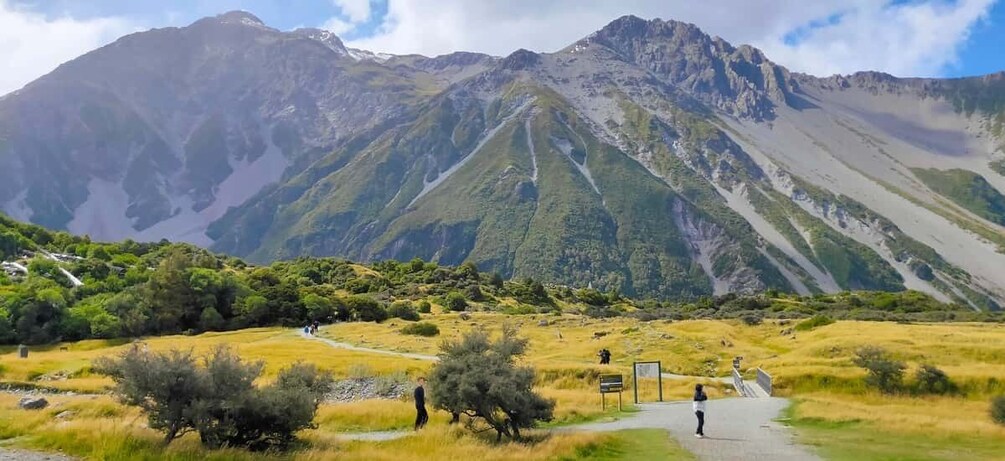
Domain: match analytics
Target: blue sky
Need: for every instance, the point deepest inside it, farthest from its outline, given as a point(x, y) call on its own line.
point(904, 37)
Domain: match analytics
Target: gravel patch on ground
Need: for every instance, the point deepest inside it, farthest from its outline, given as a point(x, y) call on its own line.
point(7, 454)
point(354, 389)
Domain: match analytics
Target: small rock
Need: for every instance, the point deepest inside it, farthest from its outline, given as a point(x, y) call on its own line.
point(666, 336)
point(465, 316)
point(65, 414)
point(542, 323)
point(599, 334)
point(33, 403)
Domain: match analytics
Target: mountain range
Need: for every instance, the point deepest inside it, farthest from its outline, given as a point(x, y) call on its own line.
point(647, 157)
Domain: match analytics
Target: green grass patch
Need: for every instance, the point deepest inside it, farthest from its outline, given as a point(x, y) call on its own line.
point(635, 444)
point(968, 190)
point(855, 440)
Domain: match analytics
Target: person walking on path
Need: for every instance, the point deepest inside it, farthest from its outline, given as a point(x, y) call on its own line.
point(699, 409)
point(421, 416)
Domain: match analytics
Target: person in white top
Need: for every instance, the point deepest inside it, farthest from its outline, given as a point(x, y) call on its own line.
point(699, 409)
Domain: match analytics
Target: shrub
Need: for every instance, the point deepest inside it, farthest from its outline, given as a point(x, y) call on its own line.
point(885, 374)
point(474, 292)
point(480, 378)
point(932, 380)
point(421, 329)
point(591, 296)
point(456, 302)
point(403, 310)
point(366, 309)
point(752, 318)
point(218, 400)
point(425, 307)
point(813, 322)
point(998, 409)
point(211, 320)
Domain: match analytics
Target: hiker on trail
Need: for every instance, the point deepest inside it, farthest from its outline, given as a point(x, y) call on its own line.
point(307, 330)
point(699, 409)
point(605, 356)
point(421, 417)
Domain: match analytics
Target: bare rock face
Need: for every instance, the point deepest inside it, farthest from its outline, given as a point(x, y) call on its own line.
point(737, 80)
point(32, 403)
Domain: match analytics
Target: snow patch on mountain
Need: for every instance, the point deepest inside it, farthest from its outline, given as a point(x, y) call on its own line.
point(365, 55)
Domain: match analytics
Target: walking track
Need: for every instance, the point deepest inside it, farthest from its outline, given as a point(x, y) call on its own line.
point(735, 428)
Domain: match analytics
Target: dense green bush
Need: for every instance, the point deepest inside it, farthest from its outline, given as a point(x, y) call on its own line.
point(931, 380)
point(752, 318)
point(403, 310)
point(424, 307)
point(219, 400)
point(998, 409)
point(366, 309)
point(884, 373)
point(456, 302)
point(421, 329)
point(818, 320)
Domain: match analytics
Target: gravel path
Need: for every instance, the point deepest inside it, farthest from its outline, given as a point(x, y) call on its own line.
point(7, 454)
point(735, 428)
point(351, 347)
point(374, 436)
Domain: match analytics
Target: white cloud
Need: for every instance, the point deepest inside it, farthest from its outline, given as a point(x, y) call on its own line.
point(31, 45)
point(908, 39)
point(356, 11)
point(916, 38)
point(337, 26)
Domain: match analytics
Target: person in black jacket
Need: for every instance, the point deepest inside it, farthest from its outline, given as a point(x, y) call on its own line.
point(421, 416)
point(699, 409)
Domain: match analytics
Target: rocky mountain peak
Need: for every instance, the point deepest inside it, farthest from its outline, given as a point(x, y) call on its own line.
point(741, 81)
point(325, 37)
point(239, 17)
point(520, 59)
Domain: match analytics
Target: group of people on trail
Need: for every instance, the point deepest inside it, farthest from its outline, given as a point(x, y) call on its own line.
point(605, 356)
point(312, 328)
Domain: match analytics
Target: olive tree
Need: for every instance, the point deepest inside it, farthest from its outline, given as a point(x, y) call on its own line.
point(217, 399)
point(479, 377)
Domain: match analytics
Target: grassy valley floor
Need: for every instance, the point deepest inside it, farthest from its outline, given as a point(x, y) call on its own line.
point(834, 413)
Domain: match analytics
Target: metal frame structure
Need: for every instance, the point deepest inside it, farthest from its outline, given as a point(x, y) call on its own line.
point(764, 380)
point(635, 378)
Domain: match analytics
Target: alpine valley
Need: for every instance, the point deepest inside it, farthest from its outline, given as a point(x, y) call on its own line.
point(647, 157)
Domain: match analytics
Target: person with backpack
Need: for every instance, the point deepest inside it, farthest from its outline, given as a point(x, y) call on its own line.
point(699, 409)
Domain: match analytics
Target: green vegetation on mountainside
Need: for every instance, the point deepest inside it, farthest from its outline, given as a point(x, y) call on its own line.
point(998, 166)
point(968, 190)
point(132, 289)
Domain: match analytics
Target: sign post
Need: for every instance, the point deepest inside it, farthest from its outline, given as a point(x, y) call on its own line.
point(610, 384)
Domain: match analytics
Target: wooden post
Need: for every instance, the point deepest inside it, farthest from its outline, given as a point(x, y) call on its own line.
point(659, 377)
